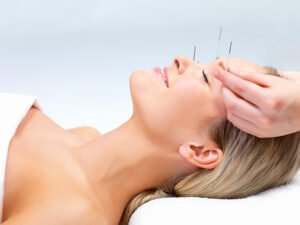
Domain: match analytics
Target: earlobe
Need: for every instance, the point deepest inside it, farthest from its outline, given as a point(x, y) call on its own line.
point(201, 156)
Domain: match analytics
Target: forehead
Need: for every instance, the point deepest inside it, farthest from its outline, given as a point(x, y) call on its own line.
point(240, 64)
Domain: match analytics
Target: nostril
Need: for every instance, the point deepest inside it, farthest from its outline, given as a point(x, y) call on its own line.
point(176, 61)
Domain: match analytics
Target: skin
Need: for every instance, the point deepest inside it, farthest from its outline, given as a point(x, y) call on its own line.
point(261, 105)
point(58, 176)
point(86, 133)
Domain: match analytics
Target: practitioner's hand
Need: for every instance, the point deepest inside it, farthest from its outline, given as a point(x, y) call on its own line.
point(262, 105)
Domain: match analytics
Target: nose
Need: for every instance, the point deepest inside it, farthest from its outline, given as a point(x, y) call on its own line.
point(181, 63)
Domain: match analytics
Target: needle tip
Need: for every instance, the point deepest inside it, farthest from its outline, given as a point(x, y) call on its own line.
point(194, 56)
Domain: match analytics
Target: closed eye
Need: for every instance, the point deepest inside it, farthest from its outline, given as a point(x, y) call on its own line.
point(205, 77)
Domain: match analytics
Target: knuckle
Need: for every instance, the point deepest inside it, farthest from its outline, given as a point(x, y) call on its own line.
point(268, 121)
point(231, 106)
point(275, 103)
point(238, 88)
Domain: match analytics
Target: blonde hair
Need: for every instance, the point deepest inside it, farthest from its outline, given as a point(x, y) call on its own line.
point(250, 165)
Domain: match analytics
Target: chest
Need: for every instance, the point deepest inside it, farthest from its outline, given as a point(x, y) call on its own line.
point(50, 185)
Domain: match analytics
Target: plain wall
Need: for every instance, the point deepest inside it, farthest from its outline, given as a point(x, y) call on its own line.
point(77, 55)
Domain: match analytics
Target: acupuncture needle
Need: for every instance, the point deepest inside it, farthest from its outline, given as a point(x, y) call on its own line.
point(228, 58)
point(218, 46)
point(194, 56)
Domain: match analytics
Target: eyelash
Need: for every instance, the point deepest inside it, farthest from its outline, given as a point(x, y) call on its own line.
point(205, 77)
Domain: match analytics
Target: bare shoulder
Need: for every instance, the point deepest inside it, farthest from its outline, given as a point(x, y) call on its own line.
point(88, 133)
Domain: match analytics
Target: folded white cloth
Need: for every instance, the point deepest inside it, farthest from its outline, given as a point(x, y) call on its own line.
point(13, 109)
point(275, 206)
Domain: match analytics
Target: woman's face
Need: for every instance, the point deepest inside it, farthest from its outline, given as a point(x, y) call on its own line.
point(185, 110)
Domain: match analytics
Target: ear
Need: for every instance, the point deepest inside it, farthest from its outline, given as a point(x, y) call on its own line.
point(201, 156)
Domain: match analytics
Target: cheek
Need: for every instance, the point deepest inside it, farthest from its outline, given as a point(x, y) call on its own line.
point(191, 101)
point(197, 105)
point(217, 90)
point(169, 113)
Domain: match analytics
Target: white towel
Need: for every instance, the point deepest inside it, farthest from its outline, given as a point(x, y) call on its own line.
point(275, 206)
point(13, 108)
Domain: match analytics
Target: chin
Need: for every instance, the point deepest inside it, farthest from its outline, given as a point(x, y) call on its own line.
point(139, 84)
point(144, 83)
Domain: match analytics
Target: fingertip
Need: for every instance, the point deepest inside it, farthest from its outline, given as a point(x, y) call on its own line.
point(216, 74)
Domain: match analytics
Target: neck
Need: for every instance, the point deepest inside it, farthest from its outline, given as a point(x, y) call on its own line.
point(127, 161)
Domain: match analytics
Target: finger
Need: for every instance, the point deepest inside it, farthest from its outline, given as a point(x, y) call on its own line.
point(291, 75)
point(249, 91)
point(240, 107)
point(242, 124)
point(263, 80)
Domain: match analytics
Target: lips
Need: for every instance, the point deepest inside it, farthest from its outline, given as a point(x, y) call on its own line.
point(163, 76)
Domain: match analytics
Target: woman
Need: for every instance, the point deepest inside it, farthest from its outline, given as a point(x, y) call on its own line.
point(177, 142)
